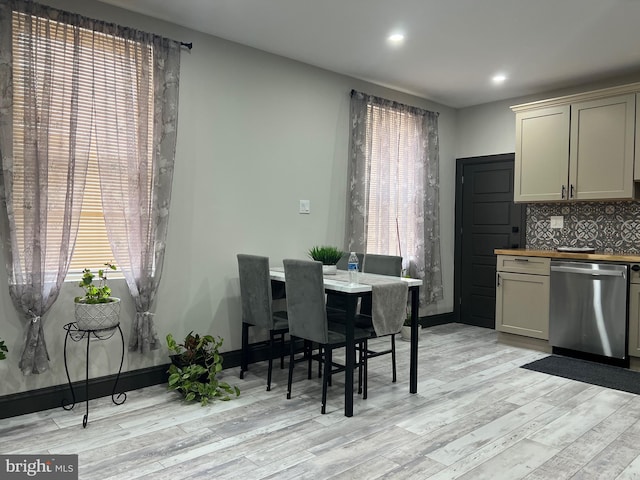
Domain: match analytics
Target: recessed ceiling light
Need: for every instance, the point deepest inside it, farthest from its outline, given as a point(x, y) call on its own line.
point(499, 78)
point(396, 38)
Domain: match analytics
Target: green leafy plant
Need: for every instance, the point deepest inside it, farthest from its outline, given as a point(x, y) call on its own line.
point(407, 317)
point(95, 293)
point(325, 254)
point(196, 362)
point(3, 350)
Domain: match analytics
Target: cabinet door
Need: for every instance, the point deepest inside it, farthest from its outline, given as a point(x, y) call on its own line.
point(542, 154)
point(602, 148)
point(634, 320)
point(636, 175)
point(522, 304)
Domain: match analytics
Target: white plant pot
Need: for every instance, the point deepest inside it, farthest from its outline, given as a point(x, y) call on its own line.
point(98, 316)
point(329, 269)
point(405, 333)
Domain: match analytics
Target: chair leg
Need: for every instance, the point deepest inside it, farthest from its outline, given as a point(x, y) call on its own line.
point(365, 367)
point(360, 360)
point(309, 359)
point(393, 356)
point(281, 351)
point(320, 350)
point(329, 380)
point(291, 363)
point(327, 376)
point(244, 361)
point(271, 339)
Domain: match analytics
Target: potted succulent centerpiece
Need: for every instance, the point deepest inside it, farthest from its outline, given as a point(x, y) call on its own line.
point(97, 309)
point(329, 257)
point(195, 364)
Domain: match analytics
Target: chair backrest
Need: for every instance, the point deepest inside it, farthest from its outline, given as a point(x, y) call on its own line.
point(305, 300)
point(255, 290)
point(383, 264)
point(343, 263)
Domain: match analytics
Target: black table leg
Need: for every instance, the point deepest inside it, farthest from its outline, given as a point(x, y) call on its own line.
point(350, 354)
point(413, 369)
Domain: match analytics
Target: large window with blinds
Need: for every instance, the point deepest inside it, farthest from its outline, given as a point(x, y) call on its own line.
point(395, 138)
point(77, 59)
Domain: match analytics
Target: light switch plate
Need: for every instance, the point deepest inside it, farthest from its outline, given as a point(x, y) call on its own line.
point(305, 206)
point(557, 221)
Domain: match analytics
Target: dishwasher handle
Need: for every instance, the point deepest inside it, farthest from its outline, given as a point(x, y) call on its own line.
point(588, 271)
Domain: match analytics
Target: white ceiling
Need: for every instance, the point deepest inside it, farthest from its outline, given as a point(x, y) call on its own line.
point(452, 47)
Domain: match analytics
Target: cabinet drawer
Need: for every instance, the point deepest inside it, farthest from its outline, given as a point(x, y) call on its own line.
point(635, 276)
point(519, 264)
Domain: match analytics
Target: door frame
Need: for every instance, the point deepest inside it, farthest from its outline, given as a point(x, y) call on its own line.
point(457, 253)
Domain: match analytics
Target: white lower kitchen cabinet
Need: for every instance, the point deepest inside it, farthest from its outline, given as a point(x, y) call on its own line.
point(522, 304)
point(634, 320)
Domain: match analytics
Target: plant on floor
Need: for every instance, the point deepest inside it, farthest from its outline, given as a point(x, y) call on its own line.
point(195, 364)
point(325, 254)
point(405, 331)
point(3, 350)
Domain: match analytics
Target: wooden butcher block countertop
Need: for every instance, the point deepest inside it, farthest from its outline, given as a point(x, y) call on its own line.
point(523, 252)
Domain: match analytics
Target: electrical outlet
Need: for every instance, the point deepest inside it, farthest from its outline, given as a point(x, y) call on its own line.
point(305, 206)
point(557, 222)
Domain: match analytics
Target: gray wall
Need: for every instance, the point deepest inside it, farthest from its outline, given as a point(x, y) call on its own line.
point(256, 134)
point(491, 129)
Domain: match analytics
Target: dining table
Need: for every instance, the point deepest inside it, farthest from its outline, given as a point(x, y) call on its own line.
point(339, 284)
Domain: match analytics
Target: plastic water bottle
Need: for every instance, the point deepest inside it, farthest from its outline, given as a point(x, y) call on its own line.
point(353, 268)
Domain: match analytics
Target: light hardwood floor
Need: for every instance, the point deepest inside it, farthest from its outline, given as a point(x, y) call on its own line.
point(477, 415)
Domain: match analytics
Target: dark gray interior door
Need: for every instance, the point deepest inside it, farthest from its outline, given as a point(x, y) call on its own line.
point(486, 219)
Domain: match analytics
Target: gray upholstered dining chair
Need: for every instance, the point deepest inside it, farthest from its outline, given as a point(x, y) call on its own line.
point(381, 265)
point(257, 309)
point(307, 312)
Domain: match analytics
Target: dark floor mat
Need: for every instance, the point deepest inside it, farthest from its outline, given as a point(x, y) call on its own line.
point(594, 373)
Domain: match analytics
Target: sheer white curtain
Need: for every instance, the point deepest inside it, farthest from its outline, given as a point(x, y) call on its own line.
point(45, 132)
point(69, 84)
point(136, 126)
point(393, 203)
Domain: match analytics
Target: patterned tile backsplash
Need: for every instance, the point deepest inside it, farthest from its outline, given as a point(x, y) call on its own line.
point(609, 227)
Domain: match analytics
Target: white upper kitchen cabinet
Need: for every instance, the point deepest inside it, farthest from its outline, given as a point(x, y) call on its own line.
point(579, 147)
point(636, 176)
point(542, 154)
point(601, 153)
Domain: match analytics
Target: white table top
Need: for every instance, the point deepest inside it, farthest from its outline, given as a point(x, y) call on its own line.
point(340, 281)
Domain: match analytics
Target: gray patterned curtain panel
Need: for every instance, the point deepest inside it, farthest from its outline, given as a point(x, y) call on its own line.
point(72, 80)
point(393, 199)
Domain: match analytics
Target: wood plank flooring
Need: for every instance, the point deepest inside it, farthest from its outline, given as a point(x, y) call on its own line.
point(477, 415)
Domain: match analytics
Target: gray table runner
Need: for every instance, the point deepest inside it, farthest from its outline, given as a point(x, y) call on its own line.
point(389, 300)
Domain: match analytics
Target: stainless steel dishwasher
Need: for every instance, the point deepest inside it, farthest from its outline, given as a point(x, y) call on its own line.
point(588, 307)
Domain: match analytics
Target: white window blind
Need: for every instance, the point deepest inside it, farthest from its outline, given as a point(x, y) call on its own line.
point(394, 140)
point(101, 62)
